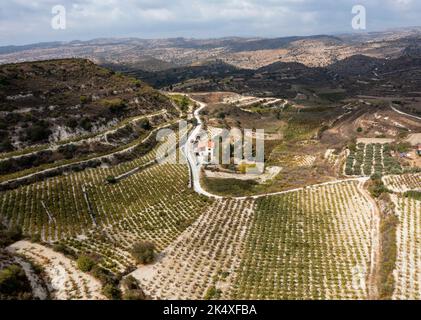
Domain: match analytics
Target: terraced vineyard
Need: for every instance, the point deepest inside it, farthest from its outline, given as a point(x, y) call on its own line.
point(88, 214)
point(56, 208)
point(370, 159)
point(403, 183)
point(155, 205)
point(408, 265)
point(203, 261)
point(310, 244)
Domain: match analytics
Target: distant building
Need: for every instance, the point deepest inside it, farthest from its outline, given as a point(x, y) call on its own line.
point(205, 151)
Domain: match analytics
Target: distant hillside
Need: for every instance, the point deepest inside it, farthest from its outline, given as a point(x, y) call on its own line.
point(355, 75)
point(247, 53)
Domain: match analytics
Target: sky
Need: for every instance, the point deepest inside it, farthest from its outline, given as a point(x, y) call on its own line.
point(29, 21)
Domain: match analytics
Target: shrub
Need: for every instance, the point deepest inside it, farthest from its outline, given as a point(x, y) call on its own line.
point(132, 289)
point(130, 283)
point(212, 293)
point(37, 132)
point(144, 252)
point(111, 292)
point(36, 238)
point(14, 233)
point(71, 123)
point(376, 187)
point(115, 105)
point(85, 263)
point(376, 176)
point(84, 99)
point(68, 151)
point(111, 180)
point(145, 124)
point(86, 124)
point(134, 295)
point(184, 103)
point(6, 145)
point(14, 284)
point(59, 247)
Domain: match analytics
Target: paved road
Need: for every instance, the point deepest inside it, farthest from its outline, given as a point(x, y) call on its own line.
point(187, 148)
point(405, 114)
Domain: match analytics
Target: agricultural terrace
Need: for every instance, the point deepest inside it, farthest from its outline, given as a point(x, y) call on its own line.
point(310, 244)
point(156, 211)
point(408, 264)
point(91, 215)
point(369, 159)
point(57, 208)
point(403, 183)
point(203, 260)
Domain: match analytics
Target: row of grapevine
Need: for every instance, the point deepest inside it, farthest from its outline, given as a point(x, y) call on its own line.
point(155, 205)
point(204, 259)
point(408, 264)
point(403, 183)
point(95, 212)
point(56, 208)
point(310, 244)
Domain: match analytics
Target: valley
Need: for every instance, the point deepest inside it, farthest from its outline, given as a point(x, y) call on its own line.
point(94, 205)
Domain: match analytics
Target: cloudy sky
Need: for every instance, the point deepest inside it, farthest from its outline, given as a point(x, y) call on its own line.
point(23, 21)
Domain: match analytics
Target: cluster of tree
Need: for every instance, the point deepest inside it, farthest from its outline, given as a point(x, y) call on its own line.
point(116, 106)
point(84, 123)
point(9, 235)
point(5, 141)
point(37, 132)
point(25, 162)
point(68, 151)
point(388, 255)
point(132, 289)
point(376, 186)
point(14, 285)
point(110, 283)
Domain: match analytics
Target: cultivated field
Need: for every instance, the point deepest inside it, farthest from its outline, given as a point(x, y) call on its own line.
point(57, 207)
point(370, 159)
point(132, 210)
point(90, 215)
point(204, 259)
point(310, 244)
point(408, 264)
point(403, 183)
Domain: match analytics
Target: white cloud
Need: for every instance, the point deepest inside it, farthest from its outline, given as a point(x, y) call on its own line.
point(25, 21)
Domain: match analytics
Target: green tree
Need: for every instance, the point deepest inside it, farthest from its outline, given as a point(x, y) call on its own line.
point(85, 263)
point(111, 292)
point(14, 284)
point(144, 252)
point(111, 180)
